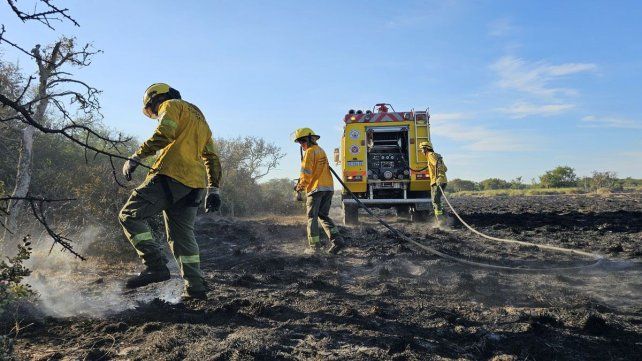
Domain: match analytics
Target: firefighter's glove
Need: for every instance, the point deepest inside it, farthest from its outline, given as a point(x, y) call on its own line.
point(130, 166)
point(213, 200)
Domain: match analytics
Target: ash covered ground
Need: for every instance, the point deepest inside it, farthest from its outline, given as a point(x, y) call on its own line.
point(379, 299)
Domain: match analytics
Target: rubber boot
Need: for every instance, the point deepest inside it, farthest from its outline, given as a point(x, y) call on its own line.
point(189, 293)
point(439, 219)
point(149, 275)
point(337, 245)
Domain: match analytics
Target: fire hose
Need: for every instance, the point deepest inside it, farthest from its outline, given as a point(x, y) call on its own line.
point(597, 258)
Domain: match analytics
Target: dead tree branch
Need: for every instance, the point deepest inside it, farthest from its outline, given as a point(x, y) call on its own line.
point(75, 103)
point(70, 97)
point(3, 39)
point(46, 16)
point(37, 206)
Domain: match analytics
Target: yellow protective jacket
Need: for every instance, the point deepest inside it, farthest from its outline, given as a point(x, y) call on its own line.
point(436, 168)
point(315, 172)
point(187, 151)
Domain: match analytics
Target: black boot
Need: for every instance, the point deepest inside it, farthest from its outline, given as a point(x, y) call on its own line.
point(337, 245)
point(149, 275)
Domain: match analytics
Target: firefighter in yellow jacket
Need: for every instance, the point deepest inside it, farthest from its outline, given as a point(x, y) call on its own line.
point(186, 165)
point(316, 181)
point(437, 172)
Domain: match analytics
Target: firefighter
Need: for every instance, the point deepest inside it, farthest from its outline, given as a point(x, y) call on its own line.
point(316, 181)
point(175, 185)
point(437, 172)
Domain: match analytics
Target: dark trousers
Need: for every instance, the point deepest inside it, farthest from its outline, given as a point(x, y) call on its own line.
point(318, 207)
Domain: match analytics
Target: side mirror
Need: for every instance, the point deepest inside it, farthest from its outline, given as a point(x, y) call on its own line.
point(337, 158)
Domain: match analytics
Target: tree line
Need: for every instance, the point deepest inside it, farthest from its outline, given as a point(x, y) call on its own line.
point(559, 177)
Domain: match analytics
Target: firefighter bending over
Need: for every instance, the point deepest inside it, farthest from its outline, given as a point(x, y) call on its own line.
point(437, 171)
point(175, 186)
point(316, 181)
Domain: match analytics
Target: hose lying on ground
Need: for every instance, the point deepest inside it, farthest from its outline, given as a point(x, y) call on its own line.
point(514, 241)
point(598, 259)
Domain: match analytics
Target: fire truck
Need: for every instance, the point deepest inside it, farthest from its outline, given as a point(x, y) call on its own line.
point(382, 163)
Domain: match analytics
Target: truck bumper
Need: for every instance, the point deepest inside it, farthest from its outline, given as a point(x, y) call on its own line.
point(421, 203)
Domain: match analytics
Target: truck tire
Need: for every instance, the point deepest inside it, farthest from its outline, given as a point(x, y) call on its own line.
point(350, 214)
point(419, 216)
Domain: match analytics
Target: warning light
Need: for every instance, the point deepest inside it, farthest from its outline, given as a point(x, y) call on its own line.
point(382, 108)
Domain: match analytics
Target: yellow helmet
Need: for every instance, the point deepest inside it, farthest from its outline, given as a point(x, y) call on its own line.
point(425, 145)
point(304, 132)
point(153, 91)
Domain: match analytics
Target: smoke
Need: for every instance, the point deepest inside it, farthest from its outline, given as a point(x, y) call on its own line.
point(67, 286)
point(616, 283)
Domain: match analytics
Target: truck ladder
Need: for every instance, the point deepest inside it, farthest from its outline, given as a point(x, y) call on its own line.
point(421, 124)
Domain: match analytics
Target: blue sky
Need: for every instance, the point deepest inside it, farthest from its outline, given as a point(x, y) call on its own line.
point(515, 88)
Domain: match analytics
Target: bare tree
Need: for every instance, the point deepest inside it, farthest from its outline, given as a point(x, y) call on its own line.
point(46, 66)
point(248, 157)
point(60, 105)
point(246, 161)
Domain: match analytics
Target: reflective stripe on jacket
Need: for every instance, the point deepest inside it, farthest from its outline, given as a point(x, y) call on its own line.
point(315, 172)
point(187, 151)
point(436, 168)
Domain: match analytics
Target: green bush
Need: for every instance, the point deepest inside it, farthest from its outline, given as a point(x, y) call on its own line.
point(459, 185)
point(517, 184)
point(12, 273)
point(559, 177)
point(629, 182)
point(494, 183)
point(12, 289)
point(605, 180)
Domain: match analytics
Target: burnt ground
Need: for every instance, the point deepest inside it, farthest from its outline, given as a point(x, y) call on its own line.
point(379, 299)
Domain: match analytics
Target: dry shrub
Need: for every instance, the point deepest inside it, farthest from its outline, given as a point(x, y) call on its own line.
point(603, 191)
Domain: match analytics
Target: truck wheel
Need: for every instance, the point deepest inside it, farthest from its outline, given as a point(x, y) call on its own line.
point(403, 212)
point(419, 216)
point(350, 214)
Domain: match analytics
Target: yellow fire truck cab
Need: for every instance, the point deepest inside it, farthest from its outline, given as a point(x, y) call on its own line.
point(382, 163)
